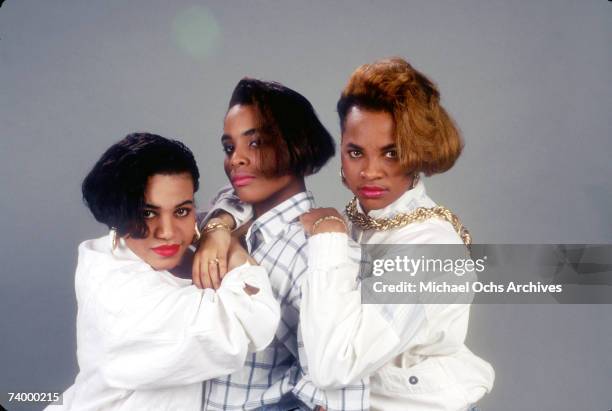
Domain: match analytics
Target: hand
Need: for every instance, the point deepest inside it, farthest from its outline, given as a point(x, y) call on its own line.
point(210, 259)
point(328, 226)
point(237, 255)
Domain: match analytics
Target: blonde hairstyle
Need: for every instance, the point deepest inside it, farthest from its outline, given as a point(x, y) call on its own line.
point(427, 138)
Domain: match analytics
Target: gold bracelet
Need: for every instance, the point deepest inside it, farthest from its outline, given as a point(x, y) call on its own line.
point(210, 227)
point(327, 218)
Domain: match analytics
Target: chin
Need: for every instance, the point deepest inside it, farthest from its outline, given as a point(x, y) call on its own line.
point(373, 203)
point(248, 195)
point(159, 263)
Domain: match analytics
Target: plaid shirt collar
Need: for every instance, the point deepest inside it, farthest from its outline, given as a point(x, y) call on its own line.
point(273, 223)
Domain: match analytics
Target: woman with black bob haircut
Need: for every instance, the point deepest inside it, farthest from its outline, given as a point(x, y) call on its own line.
point(114, 189)
point(146, 338)
point(272, 139)
point(288, 123)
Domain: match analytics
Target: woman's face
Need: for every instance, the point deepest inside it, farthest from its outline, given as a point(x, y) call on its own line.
point(247, 155)
point(170, 218)
point(369, 159)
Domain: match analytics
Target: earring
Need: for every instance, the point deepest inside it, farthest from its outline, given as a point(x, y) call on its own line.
point(197, 234)
point(114, 240)
point(342, 178)
point(415, 180)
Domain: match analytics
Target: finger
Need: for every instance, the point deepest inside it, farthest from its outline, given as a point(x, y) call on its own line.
point(206, 280)
point(195, 272)
point(308, 213)
point(205, 264)
point(206, 283)
point(222, 265)
point(204, 277)
point(306, 224)
point(306, 221)
point(311, 216)
point(214, 274)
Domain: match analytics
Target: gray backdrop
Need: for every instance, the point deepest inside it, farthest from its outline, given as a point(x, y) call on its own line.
point(527, 81)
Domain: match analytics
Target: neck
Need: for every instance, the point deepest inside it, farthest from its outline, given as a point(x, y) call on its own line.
point(364, 208)
point(296, 186)
point(183, 269)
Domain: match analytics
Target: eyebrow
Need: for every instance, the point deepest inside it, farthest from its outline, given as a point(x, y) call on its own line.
point(184, 203)
point(391, 146)
point(248, 132)
point(353, 146)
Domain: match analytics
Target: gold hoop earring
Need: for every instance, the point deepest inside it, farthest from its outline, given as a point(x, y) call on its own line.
point(415, 180)
point(342, 178)
point(197, 234)
point(114, 240)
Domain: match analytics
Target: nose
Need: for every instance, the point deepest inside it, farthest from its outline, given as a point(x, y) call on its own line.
point(165, 228)
point(371, 170)
point(239, 157)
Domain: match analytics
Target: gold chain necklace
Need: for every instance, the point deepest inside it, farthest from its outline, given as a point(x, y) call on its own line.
point(400, 220)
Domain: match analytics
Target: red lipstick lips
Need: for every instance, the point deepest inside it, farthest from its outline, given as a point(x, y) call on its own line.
point(372, 191)
point(167, 250)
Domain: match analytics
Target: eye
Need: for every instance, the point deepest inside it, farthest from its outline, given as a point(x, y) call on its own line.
point(147, 214)
point(354, 153)
point(255, 143)
point(391, 154)
point(228, 149)
point(182, 212)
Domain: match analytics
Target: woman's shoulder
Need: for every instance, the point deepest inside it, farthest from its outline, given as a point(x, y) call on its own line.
point(430, 231)
point(100, 244)
point(94, 255)
point(101, 266)
point(108, 253)
point(433, 230)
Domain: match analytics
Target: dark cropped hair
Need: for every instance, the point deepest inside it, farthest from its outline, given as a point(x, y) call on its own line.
point(289, 124)
point(427, 138)
point(114, 189)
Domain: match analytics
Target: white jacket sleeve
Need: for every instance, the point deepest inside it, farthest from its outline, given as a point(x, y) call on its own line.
point(345, 340)
point(158, 334)
point(226, 200)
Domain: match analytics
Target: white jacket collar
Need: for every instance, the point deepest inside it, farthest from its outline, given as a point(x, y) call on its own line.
point(101, 250)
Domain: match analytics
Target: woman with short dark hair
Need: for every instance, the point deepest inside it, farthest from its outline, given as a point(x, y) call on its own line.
point(272, 139)
point(146, 338)
point(289, 124)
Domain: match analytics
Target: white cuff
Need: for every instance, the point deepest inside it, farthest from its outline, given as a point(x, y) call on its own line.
point(327, 250)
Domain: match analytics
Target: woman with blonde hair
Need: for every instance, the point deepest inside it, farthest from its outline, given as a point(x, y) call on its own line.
point(393, 130)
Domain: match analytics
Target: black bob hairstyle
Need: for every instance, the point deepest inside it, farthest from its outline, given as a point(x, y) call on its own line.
point(288, 124)
point(114, 189)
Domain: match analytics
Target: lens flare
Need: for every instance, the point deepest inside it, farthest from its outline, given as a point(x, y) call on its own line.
point(196, 32)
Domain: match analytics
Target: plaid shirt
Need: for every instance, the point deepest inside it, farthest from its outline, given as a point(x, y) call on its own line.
point(277, 241)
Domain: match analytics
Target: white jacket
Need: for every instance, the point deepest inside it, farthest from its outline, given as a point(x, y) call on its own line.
point(415, 354)
point(146, 339)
